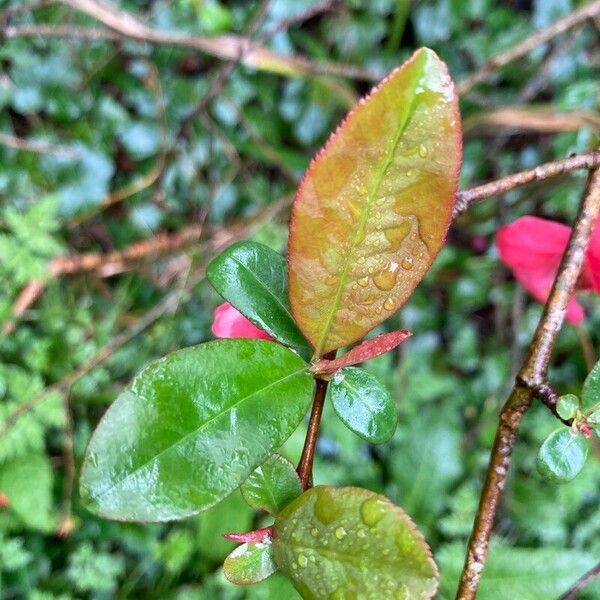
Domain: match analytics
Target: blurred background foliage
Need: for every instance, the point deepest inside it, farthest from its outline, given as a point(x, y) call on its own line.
point(105, 144)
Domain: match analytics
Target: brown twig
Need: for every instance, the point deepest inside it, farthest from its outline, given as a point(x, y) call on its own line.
point(573, 592)
point(226, 47)
point(537, 39)
point(465, 198)
point(38, 147)
point(533, 373)
point(305, 466)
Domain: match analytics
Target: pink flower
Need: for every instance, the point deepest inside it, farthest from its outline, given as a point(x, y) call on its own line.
point(533, 248)
point(230, 323)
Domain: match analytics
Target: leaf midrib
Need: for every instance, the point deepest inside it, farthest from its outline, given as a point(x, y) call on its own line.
point(365, 216)
point(262, 285)
point(196, 431)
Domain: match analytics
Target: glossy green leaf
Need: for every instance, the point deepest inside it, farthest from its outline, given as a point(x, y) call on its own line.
point(191, 427)
point(352, 543)
point(567, 406)
point(562, 455)
point(253, 278)
point(273, 485)
point(250, 563)
point(364, 405)
point(590, 394)
point(374, 207)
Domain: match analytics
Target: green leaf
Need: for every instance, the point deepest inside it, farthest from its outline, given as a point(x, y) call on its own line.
point(250, 563)
point(590, 394)
point(352, 543)
point(562, 455)
point(273, 485)
point(253, 278)
point(27, 482)
point(519, 573)
point(191, 427)
point(567, 406)
point(364, 405)
point(373, 209)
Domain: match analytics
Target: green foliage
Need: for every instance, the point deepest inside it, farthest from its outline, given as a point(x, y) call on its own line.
point(253, 278)
point(363, 404)
point(93, 571)
point(149, 462)
point(272, 486)
point(562, 455)
point(334, 542)
point(469, 322)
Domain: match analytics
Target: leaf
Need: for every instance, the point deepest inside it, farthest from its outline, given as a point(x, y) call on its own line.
point(350, 542)
point(562, 455)
point(567, 406)
point(27, 482)
point(191, 427)
point(253, 278)
point(364, 351)
point(364, 405)
point(250, 563)
point(523, 573)
point(273, 485)
point(590, 393)
point(373, 209)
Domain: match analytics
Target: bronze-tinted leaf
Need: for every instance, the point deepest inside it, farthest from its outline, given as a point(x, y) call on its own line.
point(374, 207)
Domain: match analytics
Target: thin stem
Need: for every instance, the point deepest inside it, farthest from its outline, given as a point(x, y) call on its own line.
point(573, 592)
point(532, 374)
point(540, 37)
point(465, 198)
point(305, 466)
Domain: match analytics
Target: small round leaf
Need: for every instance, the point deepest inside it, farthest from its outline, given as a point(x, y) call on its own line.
point(364, 405)
point(567, 406)
point(562, 455)
point(352, 543)
point(250, 563)
point(272, 486)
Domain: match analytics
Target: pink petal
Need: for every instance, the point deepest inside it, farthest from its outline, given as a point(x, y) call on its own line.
point(593, 260)
point(533, 248)
point(230, 323)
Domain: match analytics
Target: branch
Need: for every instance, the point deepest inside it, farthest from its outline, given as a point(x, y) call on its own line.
point(305, 466)
point(573, 592)
point(540, 37)
point(531, 375)
point(37, 146)
point(122, 25)
point(465, 198)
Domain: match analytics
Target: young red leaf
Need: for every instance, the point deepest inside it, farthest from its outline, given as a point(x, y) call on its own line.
point(249, 537)
point(365, 351)
point(373, 209)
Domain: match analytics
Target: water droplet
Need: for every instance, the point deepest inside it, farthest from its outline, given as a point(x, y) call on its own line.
point(340, 533)
point(302, 560)
point(354, 286)
point(326, 506)
point(363, 281)
point(388, 304)
point(396, 235)
point(361, 533)
point(385, 280)
point(409, 173)
point(330, 279)
point(312, 558)
point(422, 151)
point(314, 531)
point(360, 260)
point(378, 215)
point(380, 201)
point(371, 512)
point(407, 263)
